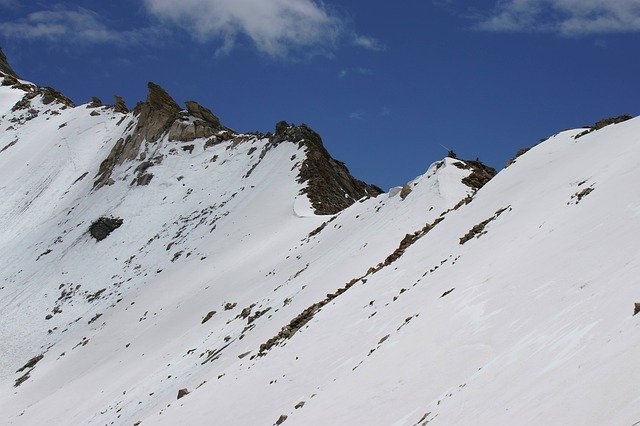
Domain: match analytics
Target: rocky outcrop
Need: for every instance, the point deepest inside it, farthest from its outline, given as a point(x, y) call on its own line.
point(480, 173)
point(120, 106)
point(5, 68)
point(104, 226)
point(155, 118)
point(330, 187)
point(604, 123)
point(197, 122)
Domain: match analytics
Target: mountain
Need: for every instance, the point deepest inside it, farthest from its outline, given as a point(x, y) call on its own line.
point(159, 267)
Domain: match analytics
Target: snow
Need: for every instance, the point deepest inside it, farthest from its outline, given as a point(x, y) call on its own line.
point(536, 326)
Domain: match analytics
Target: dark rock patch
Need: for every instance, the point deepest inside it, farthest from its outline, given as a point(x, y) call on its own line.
point(604, 123)
point(183, 392)
point(31, 363)
point(281, 419)
point(330, 186)
point(95, 103)
point(208, 316)
point(446, 293)
point(104, 226)
point(478, 230)
point(480, 173)
point(636, 309)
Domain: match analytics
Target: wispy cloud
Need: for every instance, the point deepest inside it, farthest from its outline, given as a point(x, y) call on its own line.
point(369, 43)
point(564, 17)
point(356, 115)
point(277, 28)
point(354, 71)
point(77, 26)
point(274, 27)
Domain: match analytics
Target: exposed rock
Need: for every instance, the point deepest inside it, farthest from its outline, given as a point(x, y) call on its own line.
point(520, 152)
point(120, 106)
point(183, 392)
point(5, 68)
point(478, 230)
point(636, 309)
point(143, 179)
point(480, 173)
point(208, 316)
point(205, 125)
point(31, 363)
point(281, 419)
point(198, 111)
point(155, 117)
point(330, 186)
point(101, 228)
point(604, 123)
point(405, 191)
point(95, 103)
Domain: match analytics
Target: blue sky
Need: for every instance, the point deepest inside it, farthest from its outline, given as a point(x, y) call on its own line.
point(387, 85)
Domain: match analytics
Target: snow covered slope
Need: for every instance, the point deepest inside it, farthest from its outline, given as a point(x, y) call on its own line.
point(252, 272)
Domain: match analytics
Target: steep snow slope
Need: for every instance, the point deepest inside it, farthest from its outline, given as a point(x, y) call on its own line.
point(445, 302)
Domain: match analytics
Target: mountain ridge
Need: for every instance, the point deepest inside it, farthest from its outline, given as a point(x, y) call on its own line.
point(224, 283)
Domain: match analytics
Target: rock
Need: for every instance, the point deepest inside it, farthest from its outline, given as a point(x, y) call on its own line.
point(102, 227)
point(5, 68)
point(406, 190)
point(31, 363)
point(208, 316)
point(183, 392)
point(330, 187)
point(281, 419)
point(636, 309)
point(198, 111)
point(95, 103)
point(155, 118)
point(604, 123)
point(120, 106)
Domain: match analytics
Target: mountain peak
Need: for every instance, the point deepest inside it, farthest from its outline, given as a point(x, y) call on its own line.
point(330, 186)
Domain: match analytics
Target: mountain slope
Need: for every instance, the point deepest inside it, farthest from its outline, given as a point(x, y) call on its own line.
point(253, 271)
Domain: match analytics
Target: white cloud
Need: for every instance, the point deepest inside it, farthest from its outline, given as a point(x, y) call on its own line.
point(60, 24)
point(356, 115)
point(275, 27)
point(369, 43)
point(565, 17)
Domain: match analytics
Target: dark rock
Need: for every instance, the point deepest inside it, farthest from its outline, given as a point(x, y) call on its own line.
point(101, 228)
point(31, 363)
point(143, 179)
point(155, 117)
point(406, 190)
point(20, 380)
point(198, 111)
point(5, 68)
point(636, 309)
point(95, 103)
point(604, 123)
point(480, 173)
point(120, 105)
point(208, 316)
point(281, 419)
point(330, 186)
point(183, 392)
